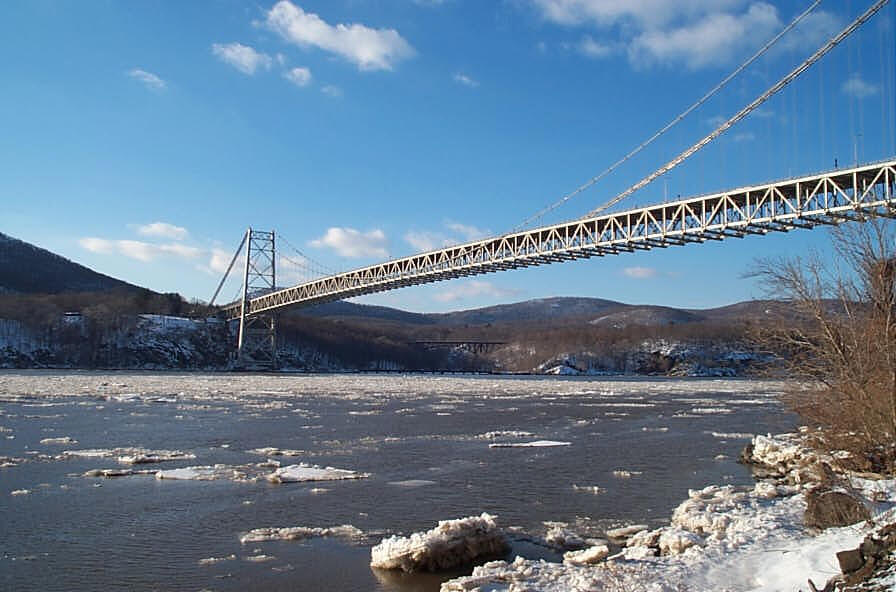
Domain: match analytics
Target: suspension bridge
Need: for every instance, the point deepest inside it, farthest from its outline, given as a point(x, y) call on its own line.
point(826, 198)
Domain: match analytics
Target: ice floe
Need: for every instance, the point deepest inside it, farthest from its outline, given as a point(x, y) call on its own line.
point(624, 532)
point(303, 472)
point(534, 444)
point(293, 533)
point(505, 434)
point(587, 556)
point(412, 483)
point(154, 456)
point(732, 435)
point(272, 451)
point(562, 538)
point(110, 473)
point(130, 455)
point(20, 492)
point(215, 560)
point(204, 473)
point(450, 544)
point(60, 441)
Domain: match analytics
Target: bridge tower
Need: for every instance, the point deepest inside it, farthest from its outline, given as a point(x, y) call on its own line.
point(257, 338)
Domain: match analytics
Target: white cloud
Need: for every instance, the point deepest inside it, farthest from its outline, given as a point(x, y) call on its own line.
point(331, 91)
point(426, 241)
point(462, 78)
point(467, 231)
point(812, 31)
point(641, 13)
point(163, 230)
point(695, 33)
point(219, 259)
point(591, 48)
point(712, 40)
point(473, 289)
point(148, 79)
point(349, 242)
point(640, 273)
point(298, 76)
point(242, 57)
point(744, 137)
point(142, 251)
point(432, 240)
point(855, 86)
point(367, 48)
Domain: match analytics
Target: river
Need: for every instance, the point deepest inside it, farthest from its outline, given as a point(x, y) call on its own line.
point(631, 450)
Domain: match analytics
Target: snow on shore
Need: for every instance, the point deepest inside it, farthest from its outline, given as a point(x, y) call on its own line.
point(735, 539)
point(451, 543)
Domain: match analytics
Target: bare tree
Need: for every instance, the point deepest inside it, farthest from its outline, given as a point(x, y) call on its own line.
point(844, 335)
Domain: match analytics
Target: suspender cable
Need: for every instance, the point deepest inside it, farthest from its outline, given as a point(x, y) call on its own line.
point(833, 42)
point(712, 92)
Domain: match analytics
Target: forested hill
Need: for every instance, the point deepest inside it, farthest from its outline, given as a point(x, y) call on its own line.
point(25, 268)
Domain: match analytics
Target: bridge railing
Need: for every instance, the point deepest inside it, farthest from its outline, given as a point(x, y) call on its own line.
point(826, 198)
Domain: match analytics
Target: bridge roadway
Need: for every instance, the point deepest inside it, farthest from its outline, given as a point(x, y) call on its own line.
point(826, 198)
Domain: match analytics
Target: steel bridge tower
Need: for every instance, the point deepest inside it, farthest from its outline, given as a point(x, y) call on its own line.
point(257, 339)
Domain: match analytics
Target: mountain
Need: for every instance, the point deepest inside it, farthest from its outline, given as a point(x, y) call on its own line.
point(342, 309)
point(28, 269)
point(597, 312)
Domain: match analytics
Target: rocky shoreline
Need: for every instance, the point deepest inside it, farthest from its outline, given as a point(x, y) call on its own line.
point(806, 517)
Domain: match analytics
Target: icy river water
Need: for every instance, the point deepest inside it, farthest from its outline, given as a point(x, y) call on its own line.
point(635, 446)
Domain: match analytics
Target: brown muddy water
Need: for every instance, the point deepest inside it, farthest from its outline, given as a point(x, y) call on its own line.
point(635, 447)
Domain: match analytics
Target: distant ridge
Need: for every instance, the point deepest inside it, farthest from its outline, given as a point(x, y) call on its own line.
point(27, 269)
point(564, 310)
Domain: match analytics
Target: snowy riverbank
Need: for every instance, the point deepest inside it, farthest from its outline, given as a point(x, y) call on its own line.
point(722, 537)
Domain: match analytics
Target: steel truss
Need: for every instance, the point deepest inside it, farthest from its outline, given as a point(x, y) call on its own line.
point(257, 339)
point(827, 198)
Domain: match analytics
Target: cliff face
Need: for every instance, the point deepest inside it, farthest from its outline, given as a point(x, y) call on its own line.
point(144, 341)
point(663, 358)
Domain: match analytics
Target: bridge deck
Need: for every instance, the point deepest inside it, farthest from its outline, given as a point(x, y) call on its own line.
point(826, 198)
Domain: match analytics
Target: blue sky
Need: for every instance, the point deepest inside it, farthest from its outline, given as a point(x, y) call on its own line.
point(142, 138)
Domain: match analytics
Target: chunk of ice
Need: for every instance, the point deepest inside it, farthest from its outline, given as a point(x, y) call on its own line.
point(201, 473)
point(293, 533)
point(302, 472)
point(535, 444)
point(56, 441)
point(214, 560)
point(450, 544)
point(624, 532)
point(588, 556)
point(412, 483)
